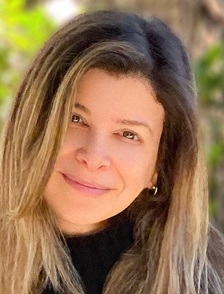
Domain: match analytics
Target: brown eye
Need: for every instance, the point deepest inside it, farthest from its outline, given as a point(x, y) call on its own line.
point(130, 135)
point(76, 118)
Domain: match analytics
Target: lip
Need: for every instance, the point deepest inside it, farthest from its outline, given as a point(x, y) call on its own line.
point(85, 187)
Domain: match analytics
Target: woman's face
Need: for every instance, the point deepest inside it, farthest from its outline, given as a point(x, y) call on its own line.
point(110, 151)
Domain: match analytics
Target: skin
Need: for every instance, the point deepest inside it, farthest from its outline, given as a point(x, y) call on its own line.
point(110, 151)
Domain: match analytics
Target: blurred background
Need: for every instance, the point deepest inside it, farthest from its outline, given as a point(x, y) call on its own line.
point(26, 24)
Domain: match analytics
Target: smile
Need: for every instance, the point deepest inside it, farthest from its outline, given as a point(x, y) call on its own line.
point(85, 187)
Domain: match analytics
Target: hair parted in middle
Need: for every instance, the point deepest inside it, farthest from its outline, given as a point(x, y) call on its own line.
point(165, 256)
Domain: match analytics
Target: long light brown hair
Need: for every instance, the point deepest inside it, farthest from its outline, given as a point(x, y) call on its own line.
point(173, 250)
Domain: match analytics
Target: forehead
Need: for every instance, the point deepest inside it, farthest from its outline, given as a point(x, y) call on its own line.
point(97, 80)
point(117, 96)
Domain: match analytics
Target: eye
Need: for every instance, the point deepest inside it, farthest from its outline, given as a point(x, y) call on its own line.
point(131, 135)
point(76, 118)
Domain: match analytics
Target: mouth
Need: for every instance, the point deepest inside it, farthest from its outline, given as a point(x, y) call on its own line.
point(85, 187)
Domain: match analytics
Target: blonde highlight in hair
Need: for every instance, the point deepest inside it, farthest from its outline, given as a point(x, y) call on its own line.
point(170, 253)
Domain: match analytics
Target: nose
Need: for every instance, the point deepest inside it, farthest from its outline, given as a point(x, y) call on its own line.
point(94, 154)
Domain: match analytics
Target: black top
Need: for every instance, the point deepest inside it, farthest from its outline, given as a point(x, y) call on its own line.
point(94, 255)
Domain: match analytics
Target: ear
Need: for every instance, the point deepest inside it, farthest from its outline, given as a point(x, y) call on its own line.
point(152, 182)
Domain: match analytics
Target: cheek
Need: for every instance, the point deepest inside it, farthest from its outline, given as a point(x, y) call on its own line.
point(139, 167)
point(67, 152)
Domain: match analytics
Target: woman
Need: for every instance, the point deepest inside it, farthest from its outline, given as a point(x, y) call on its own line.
point(103, 182)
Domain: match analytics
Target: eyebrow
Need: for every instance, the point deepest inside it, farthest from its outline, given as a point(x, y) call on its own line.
point(125, 122)
point(83, 108)
point(128, 122)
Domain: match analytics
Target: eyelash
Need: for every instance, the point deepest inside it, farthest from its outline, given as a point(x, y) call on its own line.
point(134, 136)
point(79, 117)
point(129, 135)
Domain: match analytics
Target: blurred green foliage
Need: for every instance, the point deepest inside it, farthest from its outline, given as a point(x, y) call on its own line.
point(209, 71)
point(22, 32)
